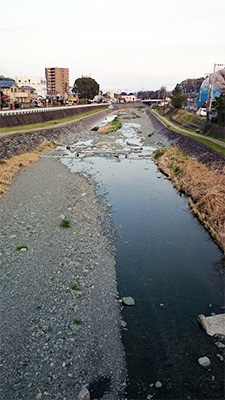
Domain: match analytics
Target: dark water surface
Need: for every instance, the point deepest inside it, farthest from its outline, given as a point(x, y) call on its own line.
point(169, 265)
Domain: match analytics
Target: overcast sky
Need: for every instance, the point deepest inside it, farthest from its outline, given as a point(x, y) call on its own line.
point(123, 44)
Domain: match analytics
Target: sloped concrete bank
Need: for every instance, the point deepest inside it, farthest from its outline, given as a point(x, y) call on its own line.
point(19, 143)
point(43, 116)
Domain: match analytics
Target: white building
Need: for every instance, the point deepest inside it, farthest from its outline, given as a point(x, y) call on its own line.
point(35, 81)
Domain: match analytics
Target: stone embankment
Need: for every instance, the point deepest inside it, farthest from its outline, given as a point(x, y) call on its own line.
point(22, 142)
point(46, 115)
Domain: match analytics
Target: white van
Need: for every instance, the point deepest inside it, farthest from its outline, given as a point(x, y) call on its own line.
point(202, 112)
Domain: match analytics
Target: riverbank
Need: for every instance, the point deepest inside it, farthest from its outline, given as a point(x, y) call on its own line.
point(204, 187)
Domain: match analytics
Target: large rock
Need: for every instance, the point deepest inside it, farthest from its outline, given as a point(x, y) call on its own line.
point(204, 361)
point(214, 325)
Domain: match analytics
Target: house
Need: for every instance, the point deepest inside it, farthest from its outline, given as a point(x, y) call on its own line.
point(17, 95)
point(36, 82)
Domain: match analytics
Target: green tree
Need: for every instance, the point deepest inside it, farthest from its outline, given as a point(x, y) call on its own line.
point(86, 88)
point(219, 105)
point(178, 99)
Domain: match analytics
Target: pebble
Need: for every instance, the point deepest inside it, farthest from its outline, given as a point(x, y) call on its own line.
point(158, 385)
point(123, 324)
point(84, 394)
point(220, 345)
point(128, 301)
point(220, 357)
point(204, 361)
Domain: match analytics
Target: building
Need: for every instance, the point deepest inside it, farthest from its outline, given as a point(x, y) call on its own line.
point(129, 98)
point(36, 82)
point(57, 81)
point(212, 87)
point(17, 95)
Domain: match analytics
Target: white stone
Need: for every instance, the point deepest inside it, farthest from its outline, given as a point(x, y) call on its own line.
point(128, 301)
point(84, 394)
point(158, 385)
point(220, 357)
point(220, 345)
point(204, 361)
point(214, 325)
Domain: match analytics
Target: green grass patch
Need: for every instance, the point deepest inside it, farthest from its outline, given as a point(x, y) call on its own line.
point(77, 321)
point(65, 223)
point(75, 287)
point(159, 153)
point(115, 125)
point(48, 124)
point(177, 170)
point(18, 248)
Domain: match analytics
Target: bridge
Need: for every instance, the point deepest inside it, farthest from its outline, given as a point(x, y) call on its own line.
point(152, 101)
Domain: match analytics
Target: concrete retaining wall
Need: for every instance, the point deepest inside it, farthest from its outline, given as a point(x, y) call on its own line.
point(44, 115)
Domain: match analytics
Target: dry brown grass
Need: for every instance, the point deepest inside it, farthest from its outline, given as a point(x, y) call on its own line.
point(105, 129)
point(11, 167)
point(205, 188)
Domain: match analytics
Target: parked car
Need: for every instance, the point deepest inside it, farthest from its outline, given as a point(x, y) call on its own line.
point(201, 112)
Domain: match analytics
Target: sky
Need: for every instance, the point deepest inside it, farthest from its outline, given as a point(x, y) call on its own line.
point(125, 45)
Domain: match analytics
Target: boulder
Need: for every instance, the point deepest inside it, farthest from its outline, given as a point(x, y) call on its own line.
point(214, 325)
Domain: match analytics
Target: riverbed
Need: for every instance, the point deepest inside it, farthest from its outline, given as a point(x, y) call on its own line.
point(129, 231)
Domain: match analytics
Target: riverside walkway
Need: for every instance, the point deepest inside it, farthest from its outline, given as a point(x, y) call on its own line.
point(172, 126)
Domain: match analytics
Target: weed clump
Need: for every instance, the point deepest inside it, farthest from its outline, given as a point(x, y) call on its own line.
point(77, 321)
point(65, 223)
point(75, 287)
point(159, 153)
point(18, 248)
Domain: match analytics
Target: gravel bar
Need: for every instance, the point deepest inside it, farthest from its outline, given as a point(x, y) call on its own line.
point(60, 316)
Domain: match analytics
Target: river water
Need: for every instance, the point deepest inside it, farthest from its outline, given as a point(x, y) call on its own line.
point(167, 262)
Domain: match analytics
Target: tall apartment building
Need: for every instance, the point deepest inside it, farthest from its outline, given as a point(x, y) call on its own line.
point(57, 81)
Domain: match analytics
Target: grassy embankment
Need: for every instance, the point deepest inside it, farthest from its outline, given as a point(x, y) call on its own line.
point(183, 116)
point(10, 168)
point(111, 127)
point(46, 125)
point(204, 187)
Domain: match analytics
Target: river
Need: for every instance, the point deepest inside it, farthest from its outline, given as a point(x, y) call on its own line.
point(165, 260)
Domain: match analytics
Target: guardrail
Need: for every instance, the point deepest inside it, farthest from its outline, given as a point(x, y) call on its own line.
point(36, 110)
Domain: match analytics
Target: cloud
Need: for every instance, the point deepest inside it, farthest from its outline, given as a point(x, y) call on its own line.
point(11, 29)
